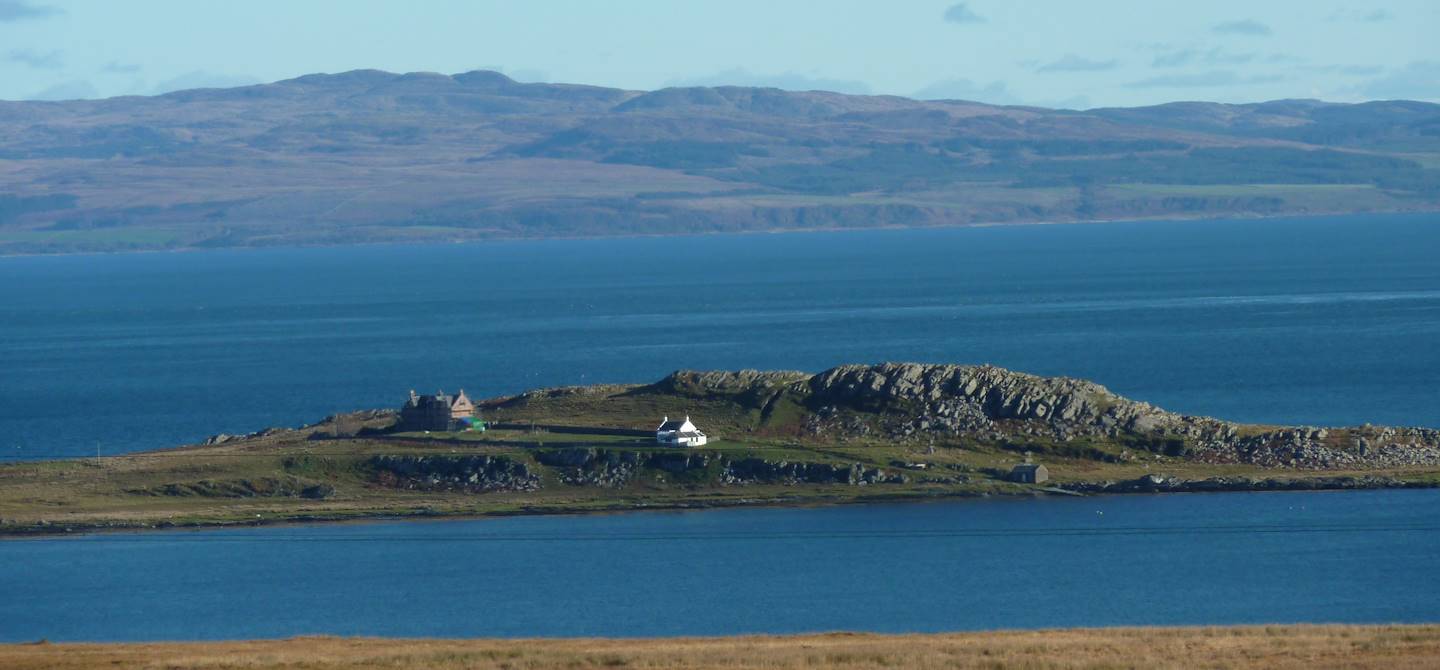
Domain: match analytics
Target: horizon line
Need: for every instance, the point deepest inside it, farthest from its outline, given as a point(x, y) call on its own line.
point(638, 92)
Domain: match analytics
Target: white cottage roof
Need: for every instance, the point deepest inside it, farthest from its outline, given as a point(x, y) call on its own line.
point(671, 425)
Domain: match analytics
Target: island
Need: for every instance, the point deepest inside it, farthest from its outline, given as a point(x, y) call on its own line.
point(854, 433)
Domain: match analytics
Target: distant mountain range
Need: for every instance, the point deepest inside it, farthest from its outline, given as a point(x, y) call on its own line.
point(369, 156)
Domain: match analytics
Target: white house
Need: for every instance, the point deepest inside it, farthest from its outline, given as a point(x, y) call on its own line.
point(679, 433)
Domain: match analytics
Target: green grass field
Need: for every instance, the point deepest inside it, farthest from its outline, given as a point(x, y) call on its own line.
point(264, 480)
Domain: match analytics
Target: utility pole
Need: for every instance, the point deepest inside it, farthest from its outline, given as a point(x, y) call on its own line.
point(98, 464)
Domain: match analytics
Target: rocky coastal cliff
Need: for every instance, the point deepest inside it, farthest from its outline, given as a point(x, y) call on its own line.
point(912, 401)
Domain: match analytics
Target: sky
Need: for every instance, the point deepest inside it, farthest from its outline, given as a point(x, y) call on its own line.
point(1056, 53)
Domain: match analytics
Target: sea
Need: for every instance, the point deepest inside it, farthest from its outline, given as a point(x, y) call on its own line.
point(1313, 321)
point(1174, 559)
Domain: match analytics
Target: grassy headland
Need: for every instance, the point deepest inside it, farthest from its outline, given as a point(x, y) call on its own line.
point(1269, 647)
point(850, 434)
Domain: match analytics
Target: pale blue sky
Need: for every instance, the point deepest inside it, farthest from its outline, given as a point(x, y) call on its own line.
point(1069, 53)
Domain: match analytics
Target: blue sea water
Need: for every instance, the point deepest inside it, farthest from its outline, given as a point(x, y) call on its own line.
point(1327, 321)
point(1351, 557)
point(1318, 321)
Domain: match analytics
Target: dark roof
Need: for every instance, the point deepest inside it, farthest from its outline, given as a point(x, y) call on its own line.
point(1028, 467)
point(671, 425)
point(691, 434)
point(426, 400)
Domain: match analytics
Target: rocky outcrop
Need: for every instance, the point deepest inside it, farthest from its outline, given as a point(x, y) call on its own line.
point(1163, 484)
point(223, 438)
point(899, 401)
point(757, 384)
point(761, 471)
point(454, 473)
point(1320, 448)
point(749, 389)
point(680, 462)
point(596, 390)
point(348, 424)
point(592, 467)
point(984, 401)
point(614, 468)
point(915, 403)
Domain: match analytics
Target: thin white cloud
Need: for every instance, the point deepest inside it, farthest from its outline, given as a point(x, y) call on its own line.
point(1215, 56)
point(1348, 70)
point(1275, 58)
point(1074, 63)
point(1418, 80)
point(960, 12)
point(1211, 79)
point(1197, 80)
point(1249, 27)
point(41, 60)
point(1361, 15)
point(1175, 58)
point(116, 67)
point(20, 10)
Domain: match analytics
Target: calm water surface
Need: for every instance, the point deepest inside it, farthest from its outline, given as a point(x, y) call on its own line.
point(1358, 557)
point(1318, 321)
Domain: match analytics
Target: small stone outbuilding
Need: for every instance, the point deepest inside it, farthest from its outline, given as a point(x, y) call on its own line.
point(1029, 473)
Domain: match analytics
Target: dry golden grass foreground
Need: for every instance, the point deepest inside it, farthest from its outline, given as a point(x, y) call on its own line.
point(1306, 647)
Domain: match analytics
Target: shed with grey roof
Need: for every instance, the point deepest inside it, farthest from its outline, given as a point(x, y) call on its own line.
point(1030, 473)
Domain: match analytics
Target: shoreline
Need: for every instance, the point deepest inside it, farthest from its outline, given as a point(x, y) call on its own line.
point(1297, 646)
point(1238, 216)
point(1189, 487)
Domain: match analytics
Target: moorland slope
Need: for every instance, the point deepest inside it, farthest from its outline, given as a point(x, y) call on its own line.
point(369, 156)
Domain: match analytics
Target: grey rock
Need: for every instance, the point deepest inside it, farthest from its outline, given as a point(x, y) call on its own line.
point(473, 473)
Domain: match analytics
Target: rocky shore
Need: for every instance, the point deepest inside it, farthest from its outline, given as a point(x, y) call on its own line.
point(914, 402)
point(1163, 484)
point(612, 468)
